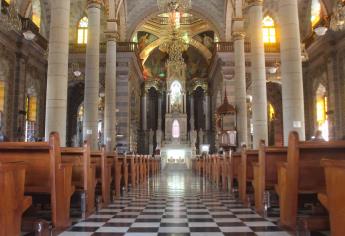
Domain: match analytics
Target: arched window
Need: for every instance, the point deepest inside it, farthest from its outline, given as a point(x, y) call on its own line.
point(31, 118)
point(269, 30)
point(176, 129)
point(82, 30)
point(315, 12)
point(321, 111)
point(36, 13)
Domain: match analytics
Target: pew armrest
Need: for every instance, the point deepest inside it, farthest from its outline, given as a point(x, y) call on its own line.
point(27, 202)
point(323, 198)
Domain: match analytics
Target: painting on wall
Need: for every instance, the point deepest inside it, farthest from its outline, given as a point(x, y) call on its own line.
point(145, 38)
point(207, 38)
point(155, 65)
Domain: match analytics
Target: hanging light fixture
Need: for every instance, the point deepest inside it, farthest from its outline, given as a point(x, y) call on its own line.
point(338, 18)
point(320, 30)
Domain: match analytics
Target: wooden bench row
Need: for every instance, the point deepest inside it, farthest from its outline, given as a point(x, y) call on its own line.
point(45, 168)
point(304, 167)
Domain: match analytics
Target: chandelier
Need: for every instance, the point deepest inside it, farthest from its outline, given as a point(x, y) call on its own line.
point(175, 45)
point(338, 18)
point(11, 20)
point(174, 5)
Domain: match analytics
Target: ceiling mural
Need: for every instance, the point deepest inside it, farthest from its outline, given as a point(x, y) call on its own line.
point(206, 38)
point(155, 65)
point(145, 39)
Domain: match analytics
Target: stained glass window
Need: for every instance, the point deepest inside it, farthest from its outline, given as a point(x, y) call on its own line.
point(269, 30)
point(82, 30)
point(36, 13)
point(315, 12)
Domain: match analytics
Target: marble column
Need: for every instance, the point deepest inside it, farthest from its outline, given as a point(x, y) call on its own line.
point(57, 79)
point(240, 88)
point(207, 118)
point(192, 121)
point(159, 126)
point(258, 73)
point(91, 94)
point(110, 83)
point(144, 111)
point(291, 69)
point(160, 101)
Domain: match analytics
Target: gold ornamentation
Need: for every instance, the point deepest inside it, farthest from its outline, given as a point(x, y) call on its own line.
point(238, 35)
point(112, 35)
point(255, 3)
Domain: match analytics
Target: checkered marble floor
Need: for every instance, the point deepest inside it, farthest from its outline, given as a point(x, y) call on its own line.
point(176, 203)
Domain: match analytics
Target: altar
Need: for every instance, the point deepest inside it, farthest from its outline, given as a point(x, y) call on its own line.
point(178, 145)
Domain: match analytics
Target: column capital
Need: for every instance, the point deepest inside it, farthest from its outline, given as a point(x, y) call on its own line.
point(112, 35)
point(255, 3)
point(94, 3)
point(238, 35)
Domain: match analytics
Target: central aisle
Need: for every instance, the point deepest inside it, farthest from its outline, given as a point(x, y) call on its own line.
point(175, 203)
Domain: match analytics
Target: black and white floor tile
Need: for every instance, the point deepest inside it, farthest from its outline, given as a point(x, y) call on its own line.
point(176, 203)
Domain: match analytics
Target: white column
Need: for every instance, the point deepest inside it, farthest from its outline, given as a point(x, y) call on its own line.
point(110, 83)
point(240, 88)
point(91, 94)
point(258, 73)
point(57, 79)
point(291, 69)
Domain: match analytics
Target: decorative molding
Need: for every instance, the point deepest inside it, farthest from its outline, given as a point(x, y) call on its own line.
point(238, 35)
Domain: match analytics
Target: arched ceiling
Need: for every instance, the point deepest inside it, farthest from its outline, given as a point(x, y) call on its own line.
point(139, 11)
point(217, 12)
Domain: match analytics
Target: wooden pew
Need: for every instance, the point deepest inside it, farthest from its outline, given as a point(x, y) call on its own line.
point(117, 172)
point(13, 203)
point(83, 173)
point(248, 157)
point(104, 166)
point(137, 158)
point(225, 170)
point(265, 172)
point(45, 174)
point(334, 197)
point(234, 167)
point(132, 170)
point(124, 170)
point(303, 173)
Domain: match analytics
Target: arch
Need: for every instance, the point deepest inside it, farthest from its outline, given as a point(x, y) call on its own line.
point(145, 53)
point(175, 129)
point(153, 11)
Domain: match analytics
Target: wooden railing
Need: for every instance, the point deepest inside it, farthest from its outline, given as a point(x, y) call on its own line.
point(75, 48)
point(229, 47)
point(28, 25)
